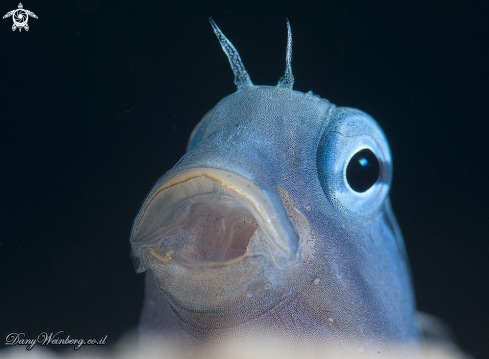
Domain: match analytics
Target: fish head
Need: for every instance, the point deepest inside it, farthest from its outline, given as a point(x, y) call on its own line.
point(277, 214)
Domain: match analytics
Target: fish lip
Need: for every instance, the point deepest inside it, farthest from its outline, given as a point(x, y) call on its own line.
point(165, 259)
point(255, 199)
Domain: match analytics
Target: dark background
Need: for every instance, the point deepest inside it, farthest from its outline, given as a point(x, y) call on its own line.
point(98, 99)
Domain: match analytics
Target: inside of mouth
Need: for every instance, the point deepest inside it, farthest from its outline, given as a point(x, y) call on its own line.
point(217, 233)
point(199, 224)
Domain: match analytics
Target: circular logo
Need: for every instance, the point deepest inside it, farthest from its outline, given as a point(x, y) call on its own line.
point(20, 17)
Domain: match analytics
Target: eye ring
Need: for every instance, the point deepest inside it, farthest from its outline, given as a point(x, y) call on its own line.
point(354, 136)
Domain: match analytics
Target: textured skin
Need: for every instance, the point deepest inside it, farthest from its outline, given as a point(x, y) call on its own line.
point(271, 136)
point(346, 277)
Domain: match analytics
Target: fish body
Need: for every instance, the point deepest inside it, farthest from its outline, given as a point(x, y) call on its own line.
point(277, 219)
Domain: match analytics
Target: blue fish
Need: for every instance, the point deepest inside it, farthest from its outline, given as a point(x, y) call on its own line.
point(277, 219)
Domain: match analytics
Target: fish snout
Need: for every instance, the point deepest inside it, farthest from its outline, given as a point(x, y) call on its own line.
point(211, 238)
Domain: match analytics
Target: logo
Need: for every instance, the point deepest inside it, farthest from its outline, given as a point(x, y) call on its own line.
point(20, 17)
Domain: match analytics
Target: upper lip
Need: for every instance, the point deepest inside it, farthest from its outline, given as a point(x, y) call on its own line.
point(167, 207)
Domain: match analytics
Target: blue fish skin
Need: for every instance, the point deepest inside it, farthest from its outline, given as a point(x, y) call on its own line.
point(257, 227)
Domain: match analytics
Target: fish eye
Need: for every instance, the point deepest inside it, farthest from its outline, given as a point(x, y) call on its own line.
point(354, 165)
point(197, 132)
point(363, 170)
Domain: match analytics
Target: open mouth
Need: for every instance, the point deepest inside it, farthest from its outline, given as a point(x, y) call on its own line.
point(215, 229)
point(204, 216)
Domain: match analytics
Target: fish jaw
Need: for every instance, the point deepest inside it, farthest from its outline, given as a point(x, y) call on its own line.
point(212, 240)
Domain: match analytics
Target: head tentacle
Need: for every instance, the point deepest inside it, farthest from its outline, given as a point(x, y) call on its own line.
point(287, 80)
point(241, 77)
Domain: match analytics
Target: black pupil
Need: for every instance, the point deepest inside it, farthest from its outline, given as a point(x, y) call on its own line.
point(362, 171)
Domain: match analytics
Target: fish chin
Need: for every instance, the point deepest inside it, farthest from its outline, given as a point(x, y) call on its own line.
point(211, 239)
